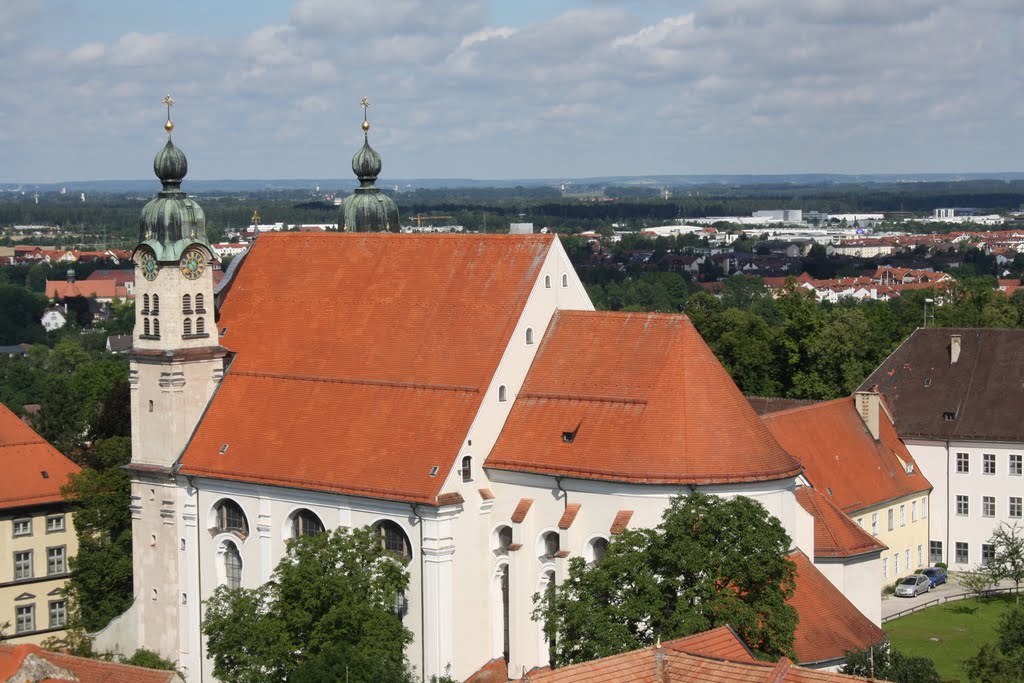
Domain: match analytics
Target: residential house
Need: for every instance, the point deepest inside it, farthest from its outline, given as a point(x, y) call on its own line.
point(31, 664)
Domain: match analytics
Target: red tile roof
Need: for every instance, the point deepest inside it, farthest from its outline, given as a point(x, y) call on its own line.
point(12, 657)
point(24, 458)
point(101, 289)
point(487, 494)
point(348, 345)
point(494, 671)
point(830, 625)
point(620, 522)
point(835, 534)
point(643, 400)
point(838, 452)
point(521, 509)
point(716, 655)
point(571, 510)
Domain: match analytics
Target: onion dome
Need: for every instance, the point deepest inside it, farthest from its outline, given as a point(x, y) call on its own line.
point(368, 209)
point(171, 221)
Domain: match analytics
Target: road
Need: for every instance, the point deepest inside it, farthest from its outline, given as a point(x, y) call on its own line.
point(891, 604)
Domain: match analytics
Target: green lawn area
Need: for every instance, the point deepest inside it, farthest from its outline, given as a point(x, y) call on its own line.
point(948, 634)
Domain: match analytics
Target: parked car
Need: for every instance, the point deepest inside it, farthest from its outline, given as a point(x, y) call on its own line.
point(936, 575)
point(912, 586)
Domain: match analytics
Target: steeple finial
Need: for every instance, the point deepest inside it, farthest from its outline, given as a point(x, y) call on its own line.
point(168, 125)
point(365, 103)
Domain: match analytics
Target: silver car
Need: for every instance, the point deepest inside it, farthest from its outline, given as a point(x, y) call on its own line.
point(912, 586)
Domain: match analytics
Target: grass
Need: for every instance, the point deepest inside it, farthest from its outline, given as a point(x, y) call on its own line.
point(948, 634)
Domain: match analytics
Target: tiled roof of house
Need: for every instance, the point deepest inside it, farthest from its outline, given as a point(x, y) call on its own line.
point(643, 400)
point(841, 458)
point(119, 275)
point(835, 534)
point(716, 655)
point(361, 358)
point(830, 625)
point(82, 670)
point(33, 470)
point(980, 396)
point(101, 289)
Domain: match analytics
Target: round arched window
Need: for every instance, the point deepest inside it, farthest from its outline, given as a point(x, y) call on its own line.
point(502, 540)
point(232, 565)
point(228, 516)
point(393, 540)
point(306, 523)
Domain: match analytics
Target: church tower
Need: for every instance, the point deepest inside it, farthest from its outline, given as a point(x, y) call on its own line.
point(176, 364)
point(368, 209)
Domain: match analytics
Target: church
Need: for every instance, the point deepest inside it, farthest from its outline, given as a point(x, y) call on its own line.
point(458, 393)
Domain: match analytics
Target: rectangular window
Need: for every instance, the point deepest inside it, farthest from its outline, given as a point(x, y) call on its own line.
point(988, 553)
point(988, 463)
point(920, 555)
point(25, 618)
point(906, 559)
point(988, 506)
point(962, 556)
point(963, 505)
point(1016, 464)
point(935, 552)
point(23, 564)
point(963, 463)
point(892, 517)
point(924, 508)
point(55, 560)
point(58, 613)
point(896, 564)
point(885, 567)
point(874, 523)
point(903, 515)
point(23, 527)
point(1016, 505)
point(54, 523)
point(913, 511)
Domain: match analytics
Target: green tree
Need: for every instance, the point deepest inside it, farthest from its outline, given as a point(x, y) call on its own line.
point(1008, 561)
point(22, 312)
point(977, 581)
point(710, 562)
point(100, 587)
point(1002, 661)
point(328, 609)
point(891, 665)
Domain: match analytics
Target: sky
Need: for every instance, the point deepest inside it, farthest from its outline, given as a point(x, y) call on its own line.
point(503, 89)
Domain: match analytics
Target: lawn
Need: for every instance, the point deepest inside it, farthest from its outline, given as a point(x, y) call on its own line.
point(948, 634)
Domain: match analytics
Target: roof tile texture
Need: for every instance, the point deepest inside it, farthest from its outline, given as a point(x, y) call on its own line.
point(838, 453)
point(567, 518)
point(24, 456)
point(835, 534)
point(86, 670)
point(620, 522)
point(671, 414)
point(362, 358)
point(519, 514)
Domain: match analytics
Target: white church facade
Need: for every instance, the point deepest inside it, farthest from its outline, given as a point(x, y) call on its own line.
point(457, 392)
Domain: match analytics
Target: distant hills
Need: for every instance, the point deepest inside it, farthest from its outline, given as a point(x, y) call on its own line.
point(336, 184)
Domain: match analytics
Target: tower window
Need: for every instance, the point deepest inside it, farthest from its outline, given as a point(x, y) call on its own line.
point(467, 468)
point(187, 327)
point(186, 304)
point(156, 305)
point(565, 280)
point(145, 304)
point(145, 327)
point(547, 282)
point(200, 326)
point(156, 328)
point(502, 394)
point(529, 335)
point(200, 308)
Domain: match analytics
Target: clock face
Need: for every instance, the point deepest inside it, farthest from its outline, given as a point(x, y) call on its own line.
point(192, 264)
point(149, 267)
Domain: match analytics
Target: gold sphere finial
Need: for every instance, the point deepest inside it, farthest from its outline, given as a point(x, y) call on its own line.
point(168, 125)
point(365, 103)
point(366, 125)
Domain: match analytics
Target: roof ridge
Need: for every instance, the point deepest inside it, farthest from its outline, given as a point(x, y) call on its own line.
point(12, 444)
point(580, 397)
point(796, 409)
point(353, 380)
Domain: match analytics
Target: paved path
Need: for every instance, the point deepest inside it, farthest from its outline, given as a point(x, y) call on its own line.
point(892, 604)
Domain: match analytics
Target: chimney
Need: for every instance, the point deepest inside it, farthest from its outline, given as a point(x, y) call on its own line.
point(954, 348)
point(867, 403)
point(659, 663)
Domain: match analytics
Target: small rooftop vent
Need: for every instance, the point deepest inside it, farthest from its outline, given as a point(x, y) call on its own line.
point(927, 382)
point(46, 475)
point(223, 449)
point(433, 471)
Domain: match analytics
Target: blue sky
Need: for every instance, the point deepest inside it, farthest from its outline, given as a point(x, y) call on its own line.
point(512, 88)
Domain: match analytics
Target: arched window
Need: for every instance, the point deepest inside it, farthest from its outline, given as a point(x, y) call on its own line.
point(565, 280)
point(503, 539)
point(156, 327)
point(598, 549)
point(200, 326)
point(186, 304)
point(467, 468)
point(547, 282)
point(306, 523)
point(156, 305)
point(228, 516)
point(549, 596)
point(232, 565)
point(200, 308)
point(550, 540)
point(145, 327)
point(529, 335)
point(502, 394)
point(393, 540)
point(187, 327)
point(145, 304)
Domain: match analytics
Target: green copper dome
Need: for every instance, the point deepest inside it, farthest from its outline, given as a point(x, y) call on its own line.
point(171, 221)
point(368, 209)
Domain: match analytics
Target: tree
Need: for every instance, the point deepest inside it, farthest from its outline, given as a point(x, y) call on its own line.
point(1008, 561)
point(977, 581)
point(891, 665)
point(328, 613)
point(1002, 661)
point(710, 562)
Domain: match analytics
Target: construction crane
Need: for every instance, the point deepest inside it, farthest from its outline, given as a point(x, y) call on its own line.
point(419, 218)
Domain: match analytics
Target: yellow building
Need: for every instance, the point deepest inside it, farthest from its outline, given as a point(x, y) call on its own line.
point(36, 535)
point(851, 453)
